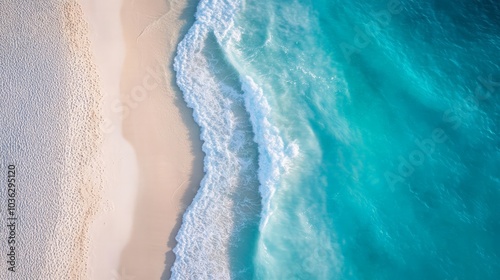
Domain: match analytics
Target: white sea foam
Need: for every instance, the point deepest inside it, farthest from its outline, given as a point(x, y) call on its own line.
point(202, 251)
point(234, 116)
point(274, 156)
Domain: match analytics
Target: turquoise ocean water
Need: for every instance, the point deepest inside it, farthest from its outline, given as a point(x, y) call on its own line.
point(344, 140)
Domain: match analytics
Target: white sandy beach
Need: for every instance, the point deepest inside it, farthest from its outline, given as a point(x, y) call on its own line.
point(106, 153)
point(50, 135)
point(151, 147)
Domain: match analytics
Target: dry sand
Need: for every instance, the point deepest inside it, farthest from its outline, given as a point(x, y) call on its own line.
point(49, 130)
point(152, 147)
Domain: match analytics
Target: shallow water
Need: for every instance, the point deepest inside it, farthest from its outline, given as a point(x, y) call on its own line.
point(344, 141)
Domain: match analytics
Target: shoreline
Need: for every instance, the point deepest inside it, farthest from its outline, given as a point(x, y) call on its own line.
point(162, 131)
point(152, 145)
